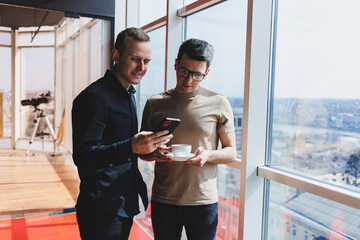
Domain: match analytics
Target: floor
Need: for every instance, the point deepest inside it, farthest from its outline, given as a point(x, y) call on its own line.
point(35, 190)
point(35, 185)
point(52, 228)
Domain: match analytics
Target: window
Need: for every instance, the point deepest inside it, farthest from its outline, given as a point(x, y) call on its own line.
point(5, 88)
point(152, 83)
point(96, 48)
point(306, 235)
point(287, 227)
point(41, 39)
point(64, 69)
point(316, 129)
point(228, 65)
point(293, 231)
point(76, 68)
point(148, 13)
point(5, 38)
point(154, 80)
point(37, 77)
point(328, 218)
point(227, 69)
point(311, 60)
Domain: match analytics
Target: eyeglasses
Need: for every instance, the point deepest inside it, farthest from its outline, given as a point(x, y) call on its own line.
point(183, 72)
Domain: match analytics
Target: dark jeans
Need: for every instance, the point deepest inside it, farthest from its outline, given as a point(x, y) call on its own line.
point(200, 222)
point(99, 226)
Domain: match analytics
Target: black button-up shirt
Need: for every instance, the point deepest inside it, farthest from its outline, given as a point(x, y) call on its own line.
point(104, 122)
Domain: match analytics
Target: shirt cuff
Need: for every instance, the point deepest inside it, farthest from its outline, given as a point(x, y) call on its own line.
point(124, 151)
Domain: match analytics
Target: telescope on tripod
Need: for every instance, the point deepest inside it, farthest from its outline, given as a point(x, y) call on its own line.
point(40, 117)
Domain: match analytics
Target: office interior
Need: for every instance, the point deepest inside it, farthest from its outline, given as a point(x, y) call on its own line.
point(289, 69)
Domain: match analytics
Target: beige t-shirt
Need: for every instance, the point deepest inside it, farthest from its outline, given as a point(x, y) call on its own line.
point(203, 114)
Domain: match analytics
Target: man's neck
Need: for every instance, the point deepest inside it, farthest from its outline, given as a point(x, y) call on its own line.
point(122, 81)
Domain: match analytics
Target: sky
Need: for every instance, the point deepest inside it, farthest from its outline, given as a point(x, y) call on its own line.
point(317, 49)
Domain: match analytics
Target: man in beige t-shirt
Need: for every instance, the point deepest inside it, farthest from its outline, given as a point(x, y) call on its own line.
point(185, 193)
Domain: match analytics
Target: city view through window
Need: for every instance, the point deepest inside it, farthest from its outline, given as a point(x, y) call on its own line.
point(316, 116)
point(315, 130)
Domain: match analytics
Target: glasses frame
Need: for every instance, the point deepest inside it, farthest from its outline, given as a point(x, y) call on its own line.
point(192, 74)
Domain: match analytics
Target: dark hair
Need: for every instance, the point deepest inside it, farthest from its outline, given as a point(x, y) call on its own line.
point(197, 49)
point(135, 33)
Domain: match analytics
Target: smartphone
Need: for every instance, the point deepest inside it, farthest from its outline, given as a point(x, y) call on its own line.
point(168, 124)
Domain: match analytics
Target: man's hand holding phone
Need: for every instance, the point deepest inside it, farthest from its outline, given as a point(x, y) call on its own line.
point(146, 142)
point(167, 125)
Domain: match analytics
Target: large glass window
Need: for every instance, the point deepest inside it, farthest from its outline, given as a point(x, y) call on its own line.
point(5, 88)
point(315, 116)
point(5, 38)
point(40, 39)
point(37, 77)
point(301, 215)
point(5, 85)
point(227, 33)
point(95, 51)
point(316, 106)
point(154, 80)
point(149, 13)
point(64, 69)
point(226, 77)
point(152, 83)
point(76, 68)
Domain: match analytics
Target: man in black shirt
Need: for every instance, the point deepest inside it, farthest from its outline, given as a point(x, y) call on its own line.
point(106, 143)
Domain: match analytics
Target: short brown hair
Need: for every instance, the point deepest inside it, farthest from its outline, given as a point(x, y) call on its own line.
point(198, 50)
point(135, 33)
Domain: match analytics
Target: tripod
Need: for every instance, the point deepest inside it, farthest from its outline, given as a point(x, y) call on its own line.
point(37, 120)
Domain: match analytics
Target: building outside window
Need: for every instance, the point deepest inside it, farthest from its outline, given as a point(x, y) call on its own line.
point(312, 128)
point(306, 235)
point(316, 113)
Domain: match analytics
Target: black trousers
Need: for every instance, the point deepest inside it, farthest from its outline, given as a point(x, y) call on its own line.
point(168, 220)
point(101, 226)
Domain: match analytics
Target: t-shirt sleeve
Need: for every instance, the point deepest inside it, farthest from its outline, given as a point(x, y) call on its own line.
point(146, 118)
point(226, 117)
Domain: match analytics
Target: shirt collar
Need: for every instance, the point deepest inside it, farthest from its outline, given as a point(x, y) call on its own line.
point(117, 85)
point(132, 89)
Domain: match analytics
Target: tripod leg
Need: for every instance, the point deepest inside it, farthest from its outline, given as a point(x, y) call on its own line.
point(50, 127)
point(52, 133)
point(33, 134)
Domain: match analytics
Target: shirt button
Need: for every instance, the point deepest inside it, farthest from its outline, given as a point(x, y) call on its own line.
point(110, 165)
point(129, 159)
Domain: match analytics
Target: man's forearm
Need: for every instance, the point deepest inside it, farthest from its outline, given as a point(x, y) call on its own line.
point(222, 156)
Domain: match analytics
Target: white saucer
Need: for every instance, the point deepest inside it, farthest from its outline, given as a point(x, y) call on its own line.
point(172, 157)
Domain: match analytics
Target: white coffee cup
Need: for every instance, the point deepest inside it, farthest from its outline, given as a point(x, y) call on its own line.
point(181, 150)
